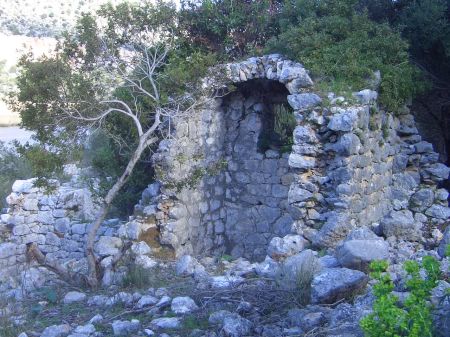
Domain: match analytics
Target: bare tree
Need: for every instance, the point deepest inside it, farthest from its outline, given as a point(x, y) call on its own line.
point(138, 71)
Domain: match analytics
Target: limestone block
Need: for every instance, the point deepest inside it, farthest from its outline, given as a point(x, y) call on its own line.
point(108, 245)
point(24, 186)
point(343, 120)
point(287, 246)
point(303, 101)
point(304, 134)
point(333, 284)
point(402, 225)
point(183, 305)
point(301, 162)
point(421, 200)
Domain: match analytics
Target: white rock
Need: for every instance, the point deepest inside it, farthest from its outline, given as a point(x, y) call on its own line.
point(145, 262)
point(56, 331)
point(74, 296)
point(123, 328)
point(166, 323)
point(85, 329)
point(140, 248)
point(220, 282)
point(24, 186)
point(108, 245)
point(96, 319)
point(146, 301)
point(183, 305)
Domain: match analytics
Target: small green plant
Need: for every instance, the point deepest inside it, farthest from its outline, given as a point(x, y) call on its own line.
point(298, 281)
point(136, 277)
point(196, 176)
point(226, 257)
point(192, 322)
point(414, 318)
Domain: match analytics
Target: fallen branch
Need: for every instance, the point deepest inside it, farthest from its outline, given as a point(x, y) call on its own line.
point(76, 279)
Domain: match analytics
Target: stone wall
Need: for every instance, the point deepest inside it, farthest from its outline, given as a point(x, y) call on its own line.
point(351, 165)
point(218, 191)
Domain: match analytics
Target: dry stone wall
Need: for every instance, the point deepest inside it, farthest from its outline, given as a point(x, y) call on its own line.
point(351, 166)
point(218, 191)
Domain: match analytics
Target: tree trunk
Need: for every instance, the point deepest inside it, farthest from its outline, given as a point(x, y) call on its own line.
point(76, 279)
point(94, 270)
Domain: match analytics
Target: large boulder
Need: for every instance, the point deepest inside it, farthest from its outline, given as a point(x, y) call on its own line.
point(333, 231)
point(287, 246)
point(108, 245)
point(236, 326)
point(56, 331)
point(334, 284)
point(166, 323)
point(188, 266)
point(401, 224)
point(360, 248)
point(183, 305)
point(74, 296)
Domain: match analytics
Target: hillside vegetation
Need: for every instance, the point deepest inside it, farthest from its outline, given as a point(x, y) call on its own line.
point(44, 17)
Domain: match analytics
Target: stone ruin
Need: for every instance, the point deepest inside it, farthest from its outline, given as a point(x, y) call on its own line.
point(226, 185)
point(351, 165)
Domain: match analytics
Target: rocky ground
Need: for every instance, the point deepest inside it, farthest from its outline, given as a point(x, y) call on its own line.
point(294, 292)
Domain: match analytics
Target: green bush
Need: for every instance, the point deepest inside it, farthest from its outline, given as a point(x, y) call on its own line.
point(413, 318)
point(13, 166)
point(343, 47)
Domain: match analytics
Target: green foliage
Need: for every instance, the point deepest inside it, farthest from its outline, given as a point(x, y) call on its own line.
point(278, 127)
point(339, 43)
point(231, 29)
point(13, 166)
point(183, 70)
point(136, 277)
point(414, 318)
point(226, 257)
point(197, 174)
point(6, 80)
point(192, 322)
point(284, 125)
point(44, 162)
point(425, 22)
point(108, 160)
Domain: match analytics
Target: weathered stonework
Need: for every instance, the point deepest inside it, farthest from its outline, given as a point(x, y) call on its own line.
point(217, 191)
point(350, 166)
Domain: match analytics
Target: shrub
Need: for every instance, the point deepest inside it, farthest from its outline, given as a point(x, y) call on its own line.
point(136, 277)
point(13, 166)
point(342, 45)
point(414, 318)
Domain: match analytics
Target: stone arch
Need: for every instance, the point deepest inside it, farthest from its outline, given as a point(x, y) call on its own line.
point(204, 217)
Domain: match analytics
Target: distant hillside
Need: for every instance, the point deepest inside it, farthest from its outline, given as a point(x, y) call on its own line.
point(44, 17)
point(33, 25)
